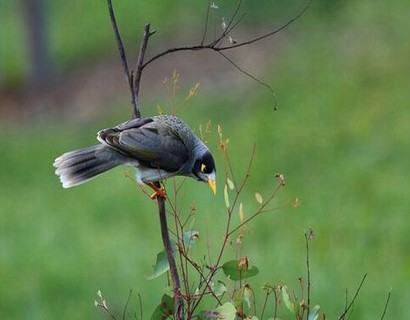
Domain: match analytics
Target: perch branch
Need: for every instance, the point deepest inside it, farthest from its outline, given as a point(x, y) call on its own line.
point(176, 285)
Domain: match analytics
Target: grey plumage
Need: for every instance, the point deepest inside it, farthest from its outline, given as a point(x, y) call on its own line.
point(159, 147)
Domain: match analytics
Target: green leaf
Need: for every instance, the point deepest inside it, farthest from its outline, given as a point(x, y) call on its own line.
point(244, 295)
point(161, 266)
point(258, 198)
point(219, 288)
point(235, 272)
point(165, 310)
point(230, 183)
point(225, 312)
point(248, 296)
point(288, 302)
point(314, 313)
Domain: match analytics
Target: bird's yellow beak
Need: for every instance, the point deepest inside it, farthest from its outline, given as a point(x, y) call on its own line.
point(212, 185)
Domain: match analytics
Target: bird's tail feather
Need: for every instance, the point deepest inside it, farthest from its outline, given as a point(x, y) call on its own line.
point(79, 166)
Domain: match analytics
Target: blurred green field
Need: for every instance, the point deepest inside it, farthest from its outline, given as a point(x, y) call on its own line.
point(340, 137)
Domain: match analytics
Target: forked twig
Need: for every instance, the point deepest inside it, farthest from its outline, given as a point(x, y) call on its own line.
point(342, 316)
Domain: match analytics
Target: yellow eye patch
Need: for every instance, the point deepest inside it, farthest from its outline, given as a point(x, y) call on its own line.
point(203, 167)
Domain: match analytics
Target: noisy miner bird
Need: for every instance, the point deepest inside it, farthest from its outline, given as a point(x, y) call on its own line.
point(159, 147)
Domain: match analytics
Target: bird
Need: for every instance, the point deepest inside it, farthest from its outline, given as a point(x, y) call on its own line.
point(159, 147)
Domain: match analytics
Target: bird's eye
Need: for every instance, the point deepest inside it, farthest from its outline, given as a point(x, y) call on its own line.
point(203, 168)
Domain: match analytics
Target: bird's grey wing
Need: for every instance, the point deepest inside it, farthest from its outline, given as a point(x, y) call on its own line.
point(148, 142)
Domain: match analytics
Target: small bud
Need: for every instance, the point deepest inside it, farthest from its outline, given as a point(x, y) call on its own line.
point(223, 24)
point(244, 261)
point(311, 234)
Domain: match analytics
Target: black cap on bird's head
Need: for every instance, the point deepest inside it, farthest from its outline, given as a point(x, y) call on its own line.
point(204, 170)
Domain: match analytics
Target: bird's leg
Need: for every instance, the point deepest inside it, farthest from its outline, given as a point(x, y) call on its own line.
point(158, 191)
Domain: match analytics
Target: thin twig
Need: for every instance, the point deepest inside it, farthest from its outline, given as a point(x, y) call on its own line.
point(275, 311)
point(202, 276)
point(206, 23)
point(264, 304)
point(140, 304)
point(259, 211)
point(126, 305)
point(233, 16)
point(308, 275)
point(354, 298)
point(386, 305)
point(246, 73)
point(228, 27)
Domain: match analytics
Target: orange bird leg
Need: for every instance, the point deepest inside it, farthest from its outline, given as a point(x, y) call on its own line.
point(158, 192)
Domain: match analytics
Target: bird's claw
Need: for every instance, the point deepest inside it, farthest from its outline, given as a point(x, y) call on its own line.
point(158, 192)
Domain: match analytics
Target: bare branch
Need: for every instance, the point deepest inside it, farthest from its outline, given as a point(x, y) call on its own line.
point(176, 285)
point(213, 45)
point(123, 56)
point(138, 74)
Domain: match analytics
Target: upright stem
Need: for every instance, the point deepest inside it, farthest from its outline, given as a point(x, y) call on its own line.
point(176, 285)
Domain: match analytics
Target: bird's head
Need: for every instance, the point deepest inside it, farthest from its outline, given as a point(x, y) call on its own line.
point(204, 169)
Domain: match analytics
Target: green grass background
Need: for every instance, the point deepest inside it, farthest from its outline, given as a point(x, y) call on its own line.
point(340, 136)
